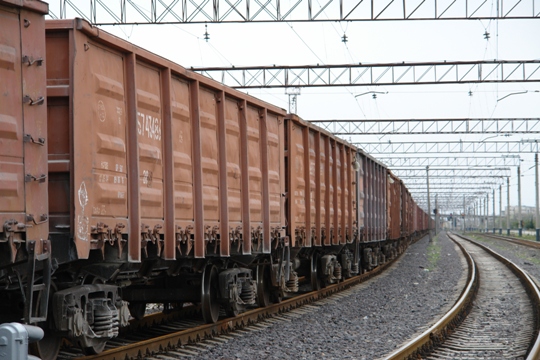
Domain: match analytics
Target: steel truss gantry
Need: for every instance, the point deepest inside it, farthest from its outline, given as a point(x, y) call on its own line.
point(454, 182)
point(453, 193)
point(439, 189)
point(404, 73)
point(431, 126)
point(450, 202)
point(446, 147)
point(413, 160)
point(204, 11)
point(452, 173)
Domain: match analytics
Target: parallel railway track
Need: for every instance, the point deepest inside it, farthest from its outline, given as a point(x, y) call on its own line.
point(511, 239)
point(495, 318)
point(178, 334)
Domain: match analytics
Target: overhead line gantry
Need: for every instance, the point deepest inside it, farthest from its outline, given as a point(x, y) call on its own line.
point(446, 147)
point(403, 73)
point(457, 162)
point(122, 12)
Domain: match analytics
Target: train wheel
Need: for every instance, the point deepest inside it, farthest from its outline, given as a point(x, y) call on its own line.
point(137, 310)
point(48, 347)
point(315, 280)
point(264, 282)
point(95, 349)
point(210, 294)
point(233, 310)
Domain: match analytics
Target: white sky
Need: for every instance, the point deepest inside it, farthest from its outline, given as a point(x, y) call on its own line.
point(370, 42)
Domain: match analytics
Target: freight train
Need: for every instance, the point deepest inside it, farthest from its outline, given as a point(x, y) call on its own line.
point(126, 179)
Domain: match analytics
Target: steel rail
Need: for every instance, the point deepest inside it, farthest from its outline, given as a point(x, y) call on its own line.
point(435, 334)
point(523, 242)
point(531, 288)
point(224, 326)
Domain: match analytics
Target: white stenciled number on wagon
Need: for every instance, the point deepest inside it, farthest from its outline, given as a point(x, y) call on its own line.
point(149, 126)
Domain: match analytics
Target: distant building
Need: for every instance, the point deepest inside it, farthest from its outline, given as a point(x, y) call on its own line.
point(525, 210)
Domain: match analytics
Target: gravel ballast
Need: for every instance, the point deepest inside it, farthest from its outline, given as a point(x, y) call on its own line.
point(369, 321)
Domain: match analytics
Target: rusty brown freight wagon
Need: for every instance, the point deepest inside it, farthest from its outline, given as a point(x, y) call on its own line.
point(151, 162)
point(127, 179)
point(394, 201)
point(406, 212)
point(144, 147)
point(127, 162)
point(23, 157)
point(322, 202)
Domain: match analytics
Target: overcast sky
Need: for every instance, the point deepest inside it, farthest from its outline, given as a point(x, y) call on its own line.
point(370, 42)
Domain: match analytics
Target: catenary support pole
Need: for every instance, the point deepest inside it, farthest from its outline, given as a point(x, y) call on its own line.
point(507, 206)
point(436, 215)
point(494, 215)
point(486, 212)
point(537, 223)
point(428, 201)
point(500, 209)
point(520, 219)
point(464, 214)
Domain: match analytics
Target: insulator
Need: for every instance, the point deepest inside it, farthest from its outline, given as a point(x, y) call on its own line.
point(248, 293)
point(292, 284)
point(337, 271)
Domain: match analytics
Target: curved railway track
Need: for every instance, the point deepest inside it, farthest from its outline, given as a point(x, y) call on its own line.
point(179, 333)
point(495, 318)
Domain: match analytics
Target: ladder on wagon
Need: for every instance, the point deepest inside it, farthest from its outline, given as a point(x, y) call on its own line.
point(34, 313)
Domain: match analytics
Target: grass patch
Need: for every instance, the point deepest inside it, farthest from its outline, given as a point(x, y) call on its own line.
point(433, 253)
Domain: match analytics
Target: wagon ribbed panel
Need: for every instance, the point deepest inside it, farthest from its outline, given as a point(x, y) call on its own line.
point(24, 213)
point(182, 153)
point(234, 170)
point(254, 169)
point(274, 126)
point(174, 162)
point(11, 120)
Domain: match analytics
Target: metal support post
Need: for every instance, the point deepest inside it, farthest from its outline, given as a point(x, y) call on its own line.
point(464, 214)
point(436, 215)
point(507, 206)
point(428, 201)
point(500, 209)
point(486, 212)
point(520, 222)
point(474, 217)
point(494, 224)
point(537, 224)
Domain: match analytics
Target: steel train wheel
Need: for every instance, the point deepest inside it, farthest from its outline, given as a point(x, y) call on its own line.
point(264, 282)
point(48, 347)
point(96, 348)
point(210, 294)
point(137, 310)
point(315, 281)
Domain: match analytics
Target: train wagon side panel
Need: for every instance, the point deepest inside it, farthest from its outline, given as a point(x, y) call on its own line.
point(299, 183)
point(394, 207)
point(321, 186)
point(24, 213)
point(360, 188)
point(157, 160)
point(375, 200)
